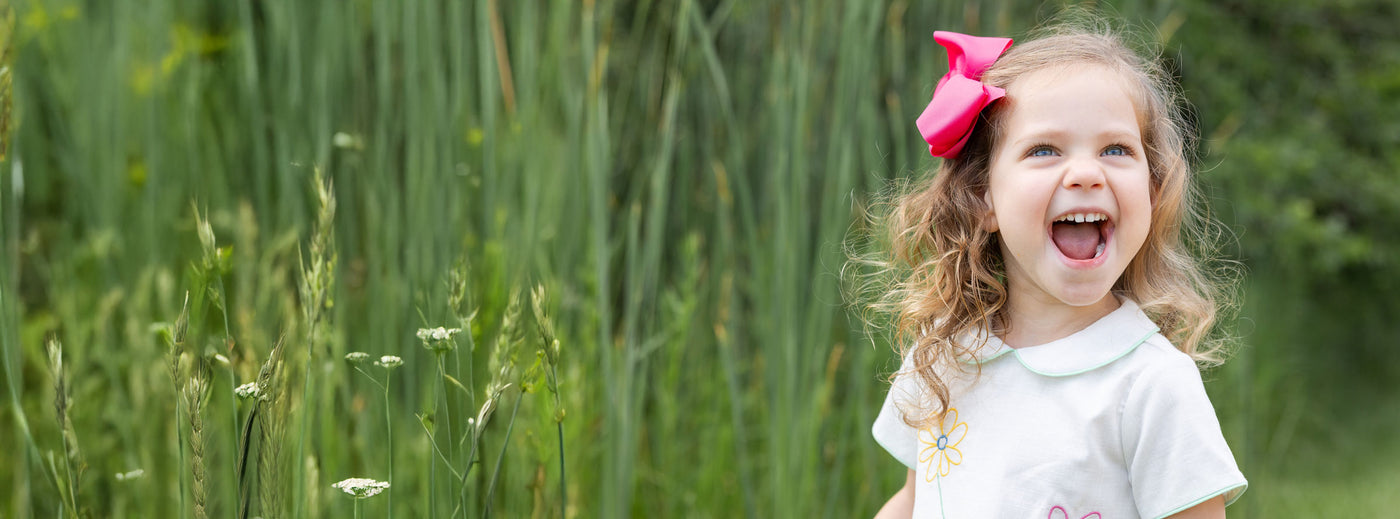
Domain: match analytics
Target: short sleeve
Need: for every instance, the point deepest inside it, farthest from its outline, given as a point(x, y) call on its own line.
point(1172, 444)
point(890, 431)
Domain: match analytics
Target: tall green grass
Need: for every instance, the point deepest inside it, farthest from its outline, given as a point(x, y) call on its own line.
point(679, 175)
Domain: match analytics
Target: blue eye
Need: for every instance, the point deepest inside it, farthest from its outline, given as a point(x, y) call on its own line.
point(1041, 151)
point(1117, 150)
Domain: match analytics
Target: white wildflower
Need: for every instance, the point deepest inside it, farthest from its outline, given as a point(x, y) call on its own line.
point(249, 390)
point(128, 476)
point(389, 362)
point(438, 339)
point(357, 356)
point(362, 488)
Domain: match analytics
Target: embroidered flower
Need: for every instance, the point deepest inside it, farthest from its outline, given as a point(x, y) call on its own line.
point(940, 448)
point(1065, 515)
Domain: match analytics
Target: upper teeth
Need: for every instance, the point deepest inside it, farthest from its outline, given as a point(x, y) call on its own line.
point(1082, 217)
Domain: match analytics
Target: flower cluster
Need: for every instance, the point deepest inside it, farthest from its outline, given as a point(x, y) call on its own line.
point(357, 357)
point(249, 390)
point(438, 339)
point(389, 362)
point(362, 488)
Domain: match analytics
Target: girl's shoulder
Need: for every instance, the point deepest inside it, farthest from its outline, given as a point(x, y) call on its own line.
point(1153, 353)
point(1159, 372)
point(1157, 350)
point(1157, 354)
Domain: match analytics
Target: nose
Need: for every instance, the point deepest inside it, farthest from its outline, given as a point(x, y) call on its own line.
point(1083, 174)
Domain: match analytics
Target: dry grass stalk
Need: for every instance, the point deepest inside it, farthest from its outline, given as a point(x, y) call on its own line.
point(503, 368)
point(196, 395)
point(549, 343)
point(174, 351)
point(177, 342)
point(72, 456)
point(317, 280)
point(271, 408)
point(318, 276)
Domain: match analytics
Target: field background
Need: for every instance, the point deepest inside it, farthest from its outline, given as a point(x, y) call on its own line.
point(679, 176)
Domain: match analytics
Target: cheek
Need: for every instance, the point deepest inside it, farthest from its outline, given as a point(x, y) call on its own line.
point(1138, 211)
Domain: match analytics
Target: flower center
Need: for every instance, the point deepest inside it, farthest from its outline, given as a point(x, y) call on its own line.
point(942, 442)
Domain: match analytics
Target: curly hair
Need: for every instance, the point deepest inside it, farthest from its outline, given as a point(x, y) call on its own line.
point(943, 275)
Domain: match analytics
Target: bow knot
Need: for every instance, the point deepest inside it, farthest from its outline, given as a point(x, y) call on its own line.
point(960, 96)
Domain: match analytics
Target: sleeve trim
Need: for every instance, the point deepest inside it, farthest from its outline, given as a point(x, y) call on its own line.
point(1232, 493)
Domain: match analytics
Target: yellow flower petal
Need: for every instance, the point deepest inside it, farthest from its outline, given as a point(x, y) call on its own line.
point(956, 435)
point(953, 454)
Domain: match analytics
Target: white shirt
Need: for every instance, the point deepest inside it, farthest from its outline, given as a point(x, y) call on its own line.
point(1111, 420)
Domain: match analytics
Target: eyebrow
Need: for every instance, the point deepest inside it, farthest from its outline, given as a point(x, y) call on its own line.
point(1042, 134)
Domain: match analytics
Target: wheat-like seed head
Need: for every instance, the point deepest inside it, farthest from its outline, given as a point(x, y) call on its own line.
point(196, 397)
point(73, 458)
point(538, 302)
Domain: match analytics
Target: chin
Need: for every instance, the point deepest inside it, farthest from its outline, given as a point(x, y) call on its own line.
point(1083, 296)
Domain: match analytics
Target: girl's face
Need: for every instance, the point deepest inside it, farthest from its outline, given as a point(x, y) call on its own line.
point(1069, 189)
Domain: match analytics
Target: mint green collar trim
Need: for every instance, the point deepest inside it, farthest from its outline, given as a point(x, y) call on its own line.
point(1089, 368)
point(1100, 344)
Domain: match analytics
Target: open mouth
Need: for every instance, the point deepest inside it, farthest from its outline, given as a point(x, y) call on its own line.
point(1081, 236)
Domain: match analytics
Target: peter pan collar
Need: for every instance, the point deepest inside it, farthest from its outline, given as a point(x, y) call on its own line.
point(1108, 339)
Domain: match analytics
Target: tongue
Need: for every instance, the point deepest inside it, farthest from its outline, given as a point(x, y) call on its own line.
point(1076, 240)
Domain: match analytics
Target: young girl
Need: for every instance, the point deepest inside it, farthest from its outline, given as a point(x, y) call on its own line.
point(1052, 318)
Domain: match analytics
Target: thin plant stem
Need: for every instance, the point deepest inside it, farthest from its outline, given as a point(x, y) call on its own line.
point(228, 342)
point(505, 442)
point(305, 424)
point(559, 427)
point(180, 437)
point(472, 430)
point(563, 488)
point(233, 426)
point(388, 424)
point(456, 446)
point(433, 441)
point(432, 471)
point(389, 428)
point(371, 378)
point(446, 408)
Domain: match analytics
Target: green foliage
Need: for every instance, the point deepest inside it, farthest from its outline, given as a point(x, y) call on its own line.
point(1298, 111)
point(679, 176)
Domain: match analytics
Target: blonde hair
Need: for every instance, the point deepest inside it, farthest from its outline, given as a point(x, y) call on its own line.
point(944, 279)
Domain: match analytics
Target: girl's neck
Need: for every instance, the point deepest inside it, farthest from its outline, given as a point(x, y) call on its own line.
point(1032, 322)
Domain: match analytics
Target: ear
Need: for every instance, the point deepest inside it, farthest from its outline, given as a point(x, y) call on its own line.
point(989, 218)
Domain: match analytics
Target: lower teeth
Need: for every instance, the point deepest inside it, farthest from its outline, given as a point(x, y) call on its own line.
point(1098, 250)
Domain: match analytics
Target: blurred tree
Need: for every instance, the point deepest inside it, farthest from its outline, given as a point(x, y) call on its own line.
point(1299, 112)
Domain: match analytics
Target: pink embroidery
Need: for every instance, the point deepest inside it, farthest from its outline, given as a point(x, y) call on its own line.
point(1065, 515)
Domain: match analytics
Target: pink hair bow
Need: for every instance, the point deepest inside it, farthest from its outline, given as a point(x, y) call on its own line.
point(961, 95)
